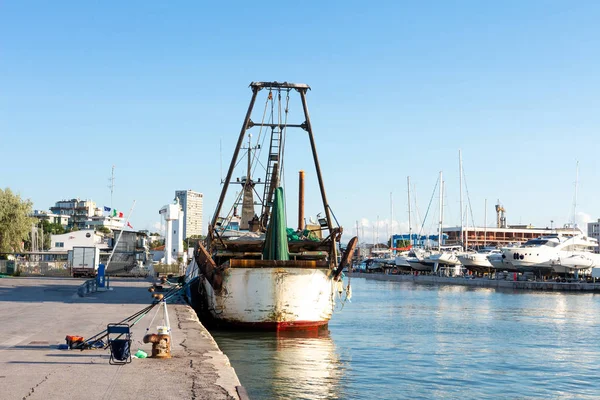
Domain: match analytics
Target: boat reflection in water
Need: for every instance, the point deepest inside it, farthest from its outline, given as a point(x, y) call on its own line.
point(284, 365)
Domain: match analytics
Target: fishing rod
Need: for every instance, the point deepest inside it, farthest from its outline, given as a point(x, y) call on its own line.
point(88, 343)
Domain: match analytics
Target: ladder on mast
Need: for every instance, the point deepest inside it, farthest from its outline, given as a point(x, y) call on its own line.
point(272, 175)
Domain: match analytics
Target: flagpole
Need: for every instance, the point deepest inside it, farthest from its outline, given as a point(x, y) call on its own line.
point(119, 237)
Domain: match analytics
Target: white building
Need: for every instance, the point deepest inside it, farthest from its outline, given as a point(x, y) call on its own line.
point(106, 221)
point(66, 241)
point(593, 230)
point(80, 211)
point(51, 217)
point(191, 204)
point(173, 215)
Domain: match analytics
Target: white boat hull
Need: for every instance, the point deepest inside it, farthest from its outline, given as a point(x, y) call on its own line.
point(284, 298)
point(475, 260)
point(401, 261)
point(576, 262)
point(443, 258)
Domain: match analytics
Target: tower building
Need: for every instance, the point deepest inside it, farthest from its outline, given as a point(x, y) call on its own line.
point(191, 204)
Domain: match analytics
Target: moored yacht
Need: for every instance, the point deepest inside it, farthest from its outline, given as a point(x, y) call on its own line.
point(416, 259)
point(566, 251)
point(479, 262)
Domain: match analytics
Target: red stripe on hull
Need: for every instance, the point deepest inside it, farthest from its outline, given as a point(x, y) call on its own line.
point(275, 326)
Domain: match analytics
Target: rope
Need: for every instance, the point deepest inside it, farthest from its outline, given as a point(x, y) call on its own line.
point(283, 135)
point(143, 312)
point(257, 156)
point(469, 200)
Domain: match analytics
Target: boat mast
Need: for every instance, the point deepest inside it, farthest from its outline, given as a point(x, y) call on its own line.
point(391, 227)
point(441, 212)
point(409, 220)
point(575, 198)
point(236, 152)
point(460, 185)
point(247, 192)
point(485, 223)
point(308, 126)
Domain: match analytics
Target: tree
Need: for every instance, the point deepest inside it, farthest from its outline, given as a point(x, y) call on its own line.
point(193, 240)
point(104, 230)
point(156, 243)
point(15, 220)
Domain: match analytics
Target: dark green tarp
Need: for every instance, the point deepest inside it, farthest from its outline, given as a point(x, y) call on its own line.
point(276, 241)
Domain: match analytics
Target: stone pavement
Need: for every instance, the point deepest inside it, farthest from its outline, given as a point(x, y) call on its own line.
point(37, 313)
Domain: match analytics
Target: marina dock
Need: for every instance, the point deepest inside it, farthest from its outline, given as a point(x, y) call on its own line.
point(549, 285)
point(37, 313)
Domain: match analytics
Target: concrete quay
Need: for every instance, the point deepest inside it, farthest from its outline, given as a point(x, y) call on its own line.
point(37, 313)
point(485, 282)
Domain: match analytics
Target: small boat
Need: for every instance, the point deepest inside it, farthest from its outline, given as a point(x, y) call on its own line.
point(252, 271)
point(479, 261)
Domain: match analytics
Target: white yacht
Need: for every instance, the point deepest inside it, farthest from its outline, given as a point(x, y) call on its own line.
point(479, 261)
point(566, 251)
point(500, 263)
point(401, 259)
point(448, 255)
point(416, 259)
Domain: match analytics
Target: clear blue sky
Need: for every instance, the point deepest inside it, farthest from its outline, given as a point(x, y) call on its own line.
point(398, 88)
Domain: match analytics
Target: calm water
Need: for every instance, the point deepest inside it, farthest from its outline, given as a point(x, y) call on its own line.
point(403, 340)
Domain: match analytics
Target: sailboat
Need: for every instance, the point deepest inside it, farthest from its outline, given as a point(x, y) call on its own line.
point(252, 271)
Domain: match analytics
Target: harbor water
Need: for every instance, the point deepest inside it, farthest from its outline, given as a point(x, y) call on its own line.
point(399, 340)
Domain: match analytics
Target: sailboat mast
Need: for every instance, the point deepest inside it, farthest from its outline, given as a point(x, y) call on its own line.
point(391, 230)
point(441, 212)
point(409, 220)
point(460, 185)
point(575, 198)
point(467, 229)
point(485, 223)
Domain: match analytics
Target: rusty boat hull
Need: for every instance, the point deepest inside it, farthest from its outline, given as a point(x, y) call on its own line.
point(282, 298)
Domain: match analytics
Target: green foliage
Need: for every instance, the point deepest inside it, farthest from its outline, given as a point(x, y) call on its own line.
point(15, 220)
point(104, 230)
point(403, 243)
point(191, 241)
point(53, 228)
point(156, 243)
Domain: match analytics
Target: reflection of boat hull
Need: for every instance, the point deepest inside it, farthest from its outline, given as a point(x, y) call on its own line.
point(283, 298)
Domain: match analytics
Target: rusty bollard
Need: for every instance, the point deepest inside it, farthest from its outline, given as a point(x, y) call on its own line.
point(161, 345)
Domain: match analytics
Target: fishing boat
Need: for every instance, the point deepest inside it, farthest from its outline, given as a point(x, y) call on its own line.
point(252, 271)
